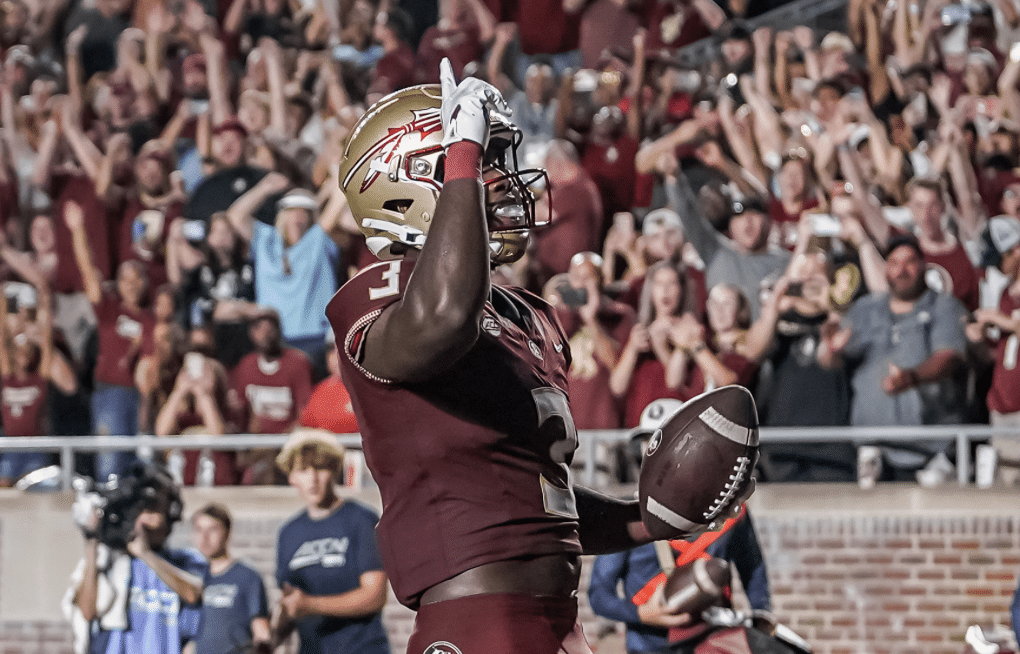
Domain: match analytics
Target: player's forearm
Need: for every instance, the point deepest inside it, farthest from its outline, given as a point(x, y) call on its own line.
point(438, 318)
point(607, 524)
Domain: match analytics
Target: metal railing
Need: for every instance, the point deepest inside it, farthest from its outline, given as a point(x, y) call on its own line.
point(69, 446)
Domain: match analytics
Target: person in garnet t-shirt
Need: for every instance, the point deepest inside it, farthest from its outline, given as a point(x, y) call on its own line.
point(149, 213)
point(395, 70)
point(652, 364)
point(125, 332)
point(330, 405)
point(269, 389)
point(1004, 395)
point(950, 269)
point(576, 213)
point(597, 328)
point(26, 368)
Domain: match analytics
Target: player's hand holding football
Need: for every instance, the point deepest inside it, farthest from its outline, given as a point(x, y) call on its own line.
point(655, 613)
point(466, 106)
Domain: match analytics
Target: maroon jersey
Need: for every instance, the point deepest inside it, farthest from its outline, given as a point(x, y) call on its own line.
point(137, 219)
point(956, 273)
point(272, 394)
point(472, 464)
point(119, 328)
point(1004, 395)
point(24, 405)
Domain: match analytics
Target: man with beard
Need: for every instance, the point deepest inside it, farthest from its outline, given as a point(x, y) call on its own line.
point(948, 266)
point(903, 350)
point(270, 389)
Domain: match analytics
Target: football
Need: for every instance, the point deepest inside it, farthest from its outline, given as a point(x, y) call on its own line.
point(697, 462)
point(696, 586)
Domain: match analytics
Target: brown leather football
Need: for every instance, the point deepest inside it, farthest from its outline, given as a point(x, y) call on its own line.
point(696, 586)
point(698, 462)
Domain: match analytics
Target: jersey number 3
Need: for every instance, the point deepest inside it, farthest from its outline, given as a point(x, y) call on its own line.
point(391, 279)
point(557, 428)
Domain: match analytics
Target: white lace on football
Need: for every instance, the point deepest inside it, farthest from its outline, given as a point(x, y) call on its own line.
point(729, 491)
point(722, 425)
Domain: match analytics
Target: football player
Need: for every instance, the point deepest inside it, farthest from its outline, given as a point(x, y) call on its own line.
point(459, 385)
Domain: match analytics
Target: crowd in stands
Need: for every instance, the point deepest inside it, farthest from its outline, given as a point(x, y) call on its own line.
point(827, 217)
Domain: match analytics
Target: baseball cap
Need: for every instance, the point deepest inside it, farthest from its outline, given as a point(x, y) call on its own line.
point(324, 443)
point(748, 204)
point(660, 219)
point(298, 198)
point(1004, 232)
point(904, 240)
point(837, 41)
point(656, 413)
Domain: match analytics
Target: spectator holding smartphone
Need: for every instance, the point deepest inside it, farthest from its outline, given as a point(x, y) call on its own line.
point(597, 327)
point(28, 365)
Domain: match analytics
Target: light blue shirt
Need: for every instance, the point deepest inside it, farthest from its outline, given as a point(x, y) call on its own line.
point(157, 621)
point(300, 294)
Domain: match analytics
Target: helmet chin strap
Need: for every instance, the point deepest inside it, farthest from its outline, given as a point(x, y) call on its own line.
point(402, 233)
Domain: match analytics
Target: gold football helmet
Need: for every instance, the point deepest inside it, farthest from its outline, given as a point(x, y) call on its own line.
point(392, 173)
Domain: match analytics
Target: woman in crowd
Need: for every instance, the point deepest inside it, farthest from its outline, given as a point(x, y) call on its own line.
point(125, 333)
point(654, 361)
point(28, 365)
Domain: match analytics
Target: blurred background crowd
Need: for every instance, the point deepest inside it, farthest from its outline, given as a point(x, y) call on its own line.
point(826, 216)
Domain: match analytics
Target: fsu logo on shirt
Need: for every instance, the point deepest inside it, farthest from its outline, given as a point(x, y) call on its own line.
point(441, 647)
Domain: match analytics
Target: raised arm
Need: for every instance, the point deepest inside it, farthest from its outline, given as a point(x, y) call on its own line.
point(437, 319)
point(502, 37)
point(85, 151)
point(220, 107)
point(241, 212)
point(90, 275)
point(276, 78)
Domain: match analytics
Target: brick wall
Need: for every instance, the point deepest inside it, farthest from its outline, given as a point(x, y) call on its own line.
point(898, 571)
point(891, 584)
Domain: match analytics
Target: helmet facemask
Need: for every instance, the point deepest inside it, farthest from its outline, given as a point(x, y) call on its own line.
point(510, 206)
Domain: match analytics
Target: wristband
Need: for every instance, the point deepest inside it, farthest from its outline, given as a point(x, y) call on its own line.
point(697, 348)
point(463, 161)
point(912, 378)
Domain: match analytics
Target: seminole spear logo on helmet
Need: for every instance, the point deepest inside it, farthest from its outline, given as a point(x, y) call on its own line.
point(424, 122)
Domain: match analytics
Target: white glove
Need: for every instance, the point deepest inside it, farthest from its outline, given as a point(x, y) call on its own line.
point(466, 106)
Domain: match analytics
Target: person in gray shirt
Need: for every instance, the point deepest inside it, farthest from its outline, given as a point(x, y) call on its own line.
point(904, 350)
point(745, 259)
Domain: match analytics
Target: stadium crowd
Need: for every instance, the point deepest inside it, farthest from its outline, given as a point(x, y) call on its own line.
point(828, 218)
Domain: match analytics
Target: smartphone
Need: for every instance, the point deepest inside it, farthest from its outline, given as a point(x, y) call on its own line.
point(823, 224)
point(198, 106)
point(572, 297)
point(194, 363)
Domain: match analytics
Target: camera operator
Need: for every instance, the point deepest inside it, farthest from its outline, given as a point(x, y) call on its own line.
point(130, 594)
